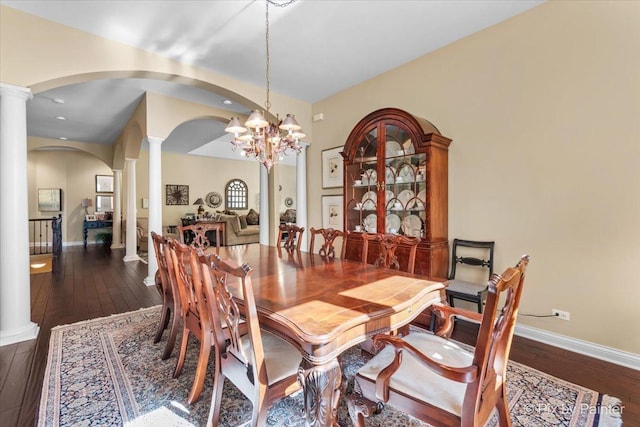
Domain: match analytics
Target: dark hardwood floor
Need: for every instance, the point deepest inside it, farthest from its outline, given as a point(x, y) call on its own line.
point(95, 283)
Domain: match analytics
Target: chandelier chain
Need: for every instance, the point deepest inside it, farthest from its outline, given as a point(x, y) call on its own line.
point(267, 103)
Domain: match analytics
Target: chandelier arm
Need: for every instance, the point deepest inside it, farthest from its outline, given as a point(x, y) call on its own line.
point(267, 103)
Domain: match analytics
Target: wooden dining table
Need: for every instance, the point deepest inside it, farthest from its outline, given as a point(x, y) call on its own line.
point(325, 306)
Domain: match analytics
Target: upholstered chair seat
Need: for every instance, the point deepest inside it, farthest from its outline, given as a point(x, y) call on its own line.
point(462, 286)
point(424, 384)
point(281, 359)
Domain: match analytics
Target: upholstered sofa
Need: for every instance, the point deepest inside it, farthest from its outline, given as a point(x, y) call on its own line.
point(235, 234)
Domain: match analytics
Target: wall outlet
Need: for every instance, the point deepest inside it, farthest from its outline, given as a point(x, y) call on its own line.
point(564, 315)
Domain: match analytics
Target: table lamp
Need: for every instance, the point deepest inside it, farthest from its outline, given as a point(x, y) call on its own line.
point(200, 202)
point(85, 203)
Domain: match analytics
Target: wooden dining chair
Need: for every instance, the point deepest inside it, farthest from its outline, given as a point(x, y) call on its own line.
point(329, 235)
point(388, 244)
point(261, 365)
point(465, 290)
point(196, 318)
point(437, 380)
point(200, 239)
point(166, 284)
point(290, 237)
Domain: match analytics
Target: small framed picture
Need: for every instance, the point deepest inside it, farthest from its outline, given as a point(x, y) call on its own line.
point(104, 203)
point(332, 212)
point(332, 170)
point(89, 217)
point(104, 183)
point(49, 199)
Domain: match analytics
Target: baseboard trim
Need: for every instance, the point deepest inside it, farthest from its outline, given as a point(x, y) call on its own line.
point(597, 351)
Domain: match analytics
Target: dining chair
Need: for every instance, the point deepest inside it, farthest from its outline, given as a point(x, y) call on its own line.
point(329, 235)
point(166, 284)
point(200, 239)
point(290, 237)
point(195, 313)
point(261, 365)
point(457, 288)
point(436, 379)
point(388, 244)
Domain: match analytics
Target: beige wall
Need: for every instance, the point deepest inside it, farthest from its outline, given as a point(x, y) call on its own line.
point(72, 171)
point(544, 112)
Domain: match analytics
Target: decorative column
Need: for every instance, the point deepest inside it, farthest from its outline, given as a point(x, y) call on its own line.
point(15, 287)
point(155, 204)
point(301, 193)
point(264, 206)
point(131, 252)
point(117, 210)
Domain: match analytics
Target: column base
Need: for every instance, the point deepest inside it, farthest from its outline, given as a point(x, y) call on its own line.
point(149, 281)
point(117, 245)
point(130, 258)
point(25, 333)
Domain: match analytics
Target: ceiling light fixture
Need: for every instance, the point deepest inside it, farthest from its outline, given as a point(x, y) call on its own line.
point(267, 142)
point(227, 102)
point(58, 100)
point(61, 118)
point(64, 138)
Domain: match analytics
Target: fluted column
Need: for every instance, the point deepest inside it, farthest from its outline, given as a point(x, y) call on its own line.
point(264, 206)
point(131, 252)
point(15, 289)
point(155, 203)
point(301, 193)
point(117, 210)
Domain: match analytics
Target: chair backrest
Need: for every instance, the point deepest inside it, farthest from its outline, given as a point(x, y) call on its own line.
point(486, 249)
point(224, 310)
point(329, 235)
point(292, 235)
point(389, 243)
point(163, 282)
point(200, 239)
point(186, 265)
point(494, 339)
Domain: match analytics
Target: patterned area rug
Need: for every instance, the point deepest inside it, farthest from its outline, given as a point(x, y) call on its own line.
point(108, 372)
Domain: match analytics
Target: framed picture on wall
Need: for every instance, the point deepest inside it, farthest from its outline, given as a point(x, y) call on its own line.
point(49, 199)
point(332, 170)
point(332, 212)
point(104, 183)
point(104, 203)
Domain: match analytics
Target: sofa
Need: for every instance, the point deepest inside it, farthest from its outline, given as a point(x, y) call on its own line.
point(235, 233)
point(142, 233)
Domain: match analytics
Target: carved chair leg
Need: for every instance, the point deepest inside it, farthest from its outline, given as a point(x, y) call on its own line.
point(171, 341)
point(183, 351)
point(201, 370)
point(504, 420)
point(360, 407)
point(216, 397)
point(162, 325)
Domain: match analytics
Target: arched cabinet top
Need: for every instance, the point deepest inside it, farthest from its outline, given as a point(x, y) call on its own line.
point(422, 132)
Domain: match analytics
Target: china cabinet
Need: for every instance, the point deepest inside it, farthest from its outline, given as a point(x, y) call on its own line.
point(396, 181)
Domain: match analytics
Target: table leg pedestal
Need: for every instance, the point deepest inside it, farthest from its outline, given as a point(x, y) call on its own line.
point(321, 388)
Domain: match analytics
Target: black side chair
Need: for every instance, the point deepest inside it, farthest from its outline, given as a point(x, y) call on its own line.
point(469, 291)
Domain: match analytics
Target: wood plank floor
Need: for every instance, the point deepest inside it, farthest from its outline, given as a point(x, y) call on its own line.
point(95, 282)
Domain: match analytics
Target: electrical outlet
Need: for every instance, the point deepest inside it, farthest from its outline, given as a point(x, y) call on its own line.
point(564, 315)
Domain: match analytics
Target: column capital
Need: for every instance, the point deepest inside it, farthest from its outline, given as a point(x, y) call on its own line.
point(154, 139)
point(19, 91)
point(130, 160)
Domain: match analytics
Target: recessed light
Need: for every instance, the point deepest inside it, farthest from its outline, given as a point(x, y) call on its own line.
point(227, 102)
point(58, 100)
point(61, 118)
point(64, 138)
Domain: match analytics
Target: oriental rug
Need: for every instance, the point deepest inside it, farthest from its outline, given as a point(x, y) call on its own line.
point(108, 372)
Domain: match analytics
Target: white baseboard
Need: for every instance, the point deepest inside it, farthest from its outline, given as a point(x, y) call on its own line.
point(597, 351)
point(80, 243)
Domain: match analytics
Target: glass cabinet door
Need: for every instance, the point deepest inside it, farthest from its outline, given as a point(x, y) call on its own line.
point(362, 185)
point(404, 195)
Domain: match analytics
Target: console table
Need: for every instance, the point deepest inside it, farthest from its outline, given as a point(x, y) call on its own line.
point(92, 225)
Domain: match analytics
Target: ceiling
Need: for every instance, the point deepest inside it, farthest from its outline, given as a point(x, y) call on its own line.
point(318, 48)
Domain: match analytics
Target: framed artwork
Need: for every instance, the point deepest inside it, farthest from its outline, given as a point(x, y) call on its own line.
point(213, 199)
point(104, 203)
point(50, 199)
point(288, 202)
point(332, 170)
point(104, 183)
point(332, 212)
point(177, 194)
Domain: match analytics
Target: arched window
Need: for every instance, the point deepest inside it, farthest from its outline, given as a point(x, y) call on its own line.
point(236, 194)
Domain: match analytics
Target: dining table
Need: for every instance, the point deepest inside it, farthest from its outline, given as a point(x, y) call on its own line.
point(323, 306)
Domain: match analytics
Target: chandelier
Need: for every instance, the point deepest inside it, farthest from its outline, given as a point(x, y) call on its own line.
point(267, 141)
